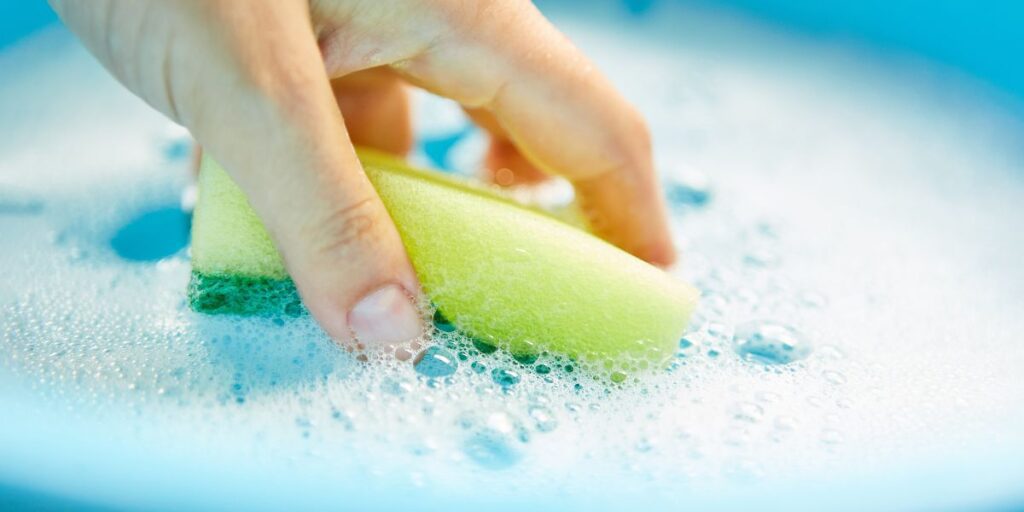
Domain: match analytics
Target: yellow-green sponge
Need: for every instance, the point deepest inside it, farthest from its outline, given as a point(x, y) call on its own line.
point(501, 272)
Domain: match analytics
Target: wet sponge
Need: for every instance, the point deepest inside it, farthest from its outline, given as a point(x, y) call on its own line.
point(503, 273)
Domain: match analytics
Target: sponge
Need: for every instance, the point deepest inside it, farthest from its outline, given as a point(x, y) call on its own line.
point(501, 272)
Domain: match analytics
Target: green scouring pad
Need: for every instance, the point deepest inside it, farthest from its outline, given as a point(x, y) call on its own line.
point(501, 272)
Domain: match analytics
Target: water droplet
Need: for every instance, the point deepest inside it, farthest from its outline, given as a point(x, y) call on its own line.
point(768, 342)
point(435, 362)
point(505, 378)
point(493, 442)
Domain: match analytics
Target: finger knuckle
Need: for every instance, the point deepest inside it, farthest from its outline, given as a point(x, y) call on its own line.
point(345, 228)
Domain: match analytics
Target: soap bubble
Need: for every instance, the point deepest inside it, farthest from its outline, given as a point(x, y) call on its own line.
point(505, 378)
point(436, 362)
point(768, 342)
point(494, 441)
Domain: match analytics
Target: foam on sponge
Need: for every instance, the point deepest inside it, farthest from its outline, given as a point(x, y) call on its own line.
point(501, 272)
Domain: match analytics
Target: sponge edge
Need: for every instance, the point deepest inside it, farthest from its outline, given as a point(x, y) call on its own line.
point(503, 273)
point(227, 237)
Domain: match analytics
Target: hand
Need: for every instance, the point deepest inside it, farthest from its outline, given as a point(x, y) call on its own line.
point(252, 81)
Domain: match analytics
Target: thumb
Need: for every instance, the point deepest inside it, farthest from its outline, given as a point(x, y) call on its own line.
point(278, 131)
point(248, 80)
point(337, 240)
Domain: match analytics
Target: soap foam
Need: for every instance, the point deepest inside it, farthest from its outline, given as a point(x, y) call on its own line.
point(876, 225)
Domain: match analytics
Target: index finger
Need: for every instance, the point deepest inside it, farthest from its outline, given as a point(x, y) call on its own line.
point(561, 113)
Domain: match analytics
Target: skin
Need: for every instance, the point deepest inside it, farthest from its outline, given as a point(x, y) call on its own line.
point(279, 91)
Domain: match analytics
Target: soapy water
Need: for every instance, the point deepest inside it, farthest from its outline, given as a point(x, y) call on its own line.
point(857, 249)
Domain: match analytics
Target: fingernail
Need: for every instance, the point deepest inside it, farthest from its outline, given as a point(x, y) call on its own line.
point(387, 315)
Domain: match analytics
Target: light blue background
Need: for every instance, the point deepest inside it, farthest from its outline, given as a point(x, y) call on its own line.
point(983, 38)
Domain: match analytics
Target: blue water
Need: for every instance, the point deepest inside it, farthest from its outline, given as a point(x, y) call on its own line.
point(23, 18)
point(849, 222)
point(153, 235)
point(981, 38)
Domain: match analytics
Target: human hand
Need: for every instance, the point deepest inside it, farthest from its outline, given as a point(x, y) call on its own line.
point(252, 81)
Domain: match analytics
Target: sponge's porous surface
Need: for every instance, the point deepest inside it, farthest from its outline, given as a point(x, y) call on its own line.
point(503, 273)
